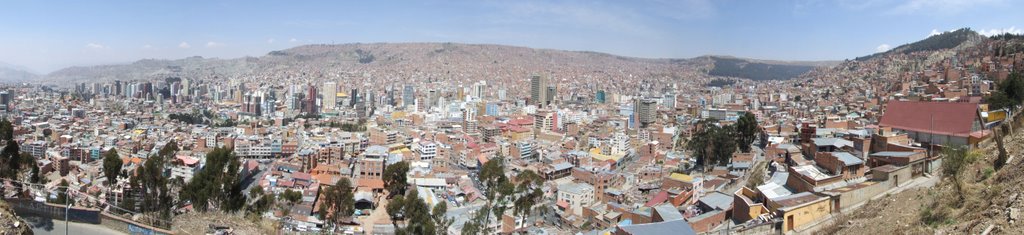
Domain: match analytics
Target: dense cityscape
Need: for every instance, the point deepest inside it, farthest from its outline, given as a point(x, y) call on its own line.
point(461, 138)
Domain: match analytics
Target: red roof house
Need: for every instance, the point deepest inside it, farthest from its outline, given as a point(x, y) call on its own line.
point(942, 123)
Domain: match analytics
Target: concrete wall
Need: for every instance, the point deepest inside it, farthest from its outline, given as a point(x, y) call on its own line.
point(24, 206)
point(799, 217)
point(935, 139)
point(898, 177)
point(862, 194)
point(744, 208)
point(761, 229)
point(705, 224)
point(130, 227)
point(82, 215)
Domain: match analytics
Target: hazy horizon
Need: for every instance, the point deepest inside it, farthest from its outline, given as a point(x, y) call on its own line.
point(47, 37)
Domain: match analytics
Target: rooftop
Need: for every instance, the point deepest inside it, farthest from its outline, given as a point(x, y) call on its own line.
point(945, 118)
point(678, 227)
point(811, 171)
point(716, 200)
point(835, 142)
point(575, 188)
point(893, 154)
point(848, 159)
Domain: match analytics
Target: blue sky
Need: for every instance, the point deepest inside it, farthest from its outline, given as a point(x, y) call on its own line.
point(49, 35)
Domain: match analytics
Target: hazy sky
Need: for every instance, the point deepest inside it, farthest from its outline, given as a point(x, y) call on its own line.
point(46, 36)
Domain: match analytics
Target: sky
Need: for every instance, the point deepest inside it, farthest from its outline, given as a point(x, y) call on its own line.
point(49, 35)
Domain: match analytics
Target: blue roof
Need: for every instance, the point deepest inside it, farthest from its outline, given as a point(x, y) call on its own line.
point(679, 227)
point(893, 154)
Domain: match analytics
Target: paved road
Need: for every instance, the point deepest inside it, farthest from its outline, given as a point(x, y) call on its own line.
point(47, 226)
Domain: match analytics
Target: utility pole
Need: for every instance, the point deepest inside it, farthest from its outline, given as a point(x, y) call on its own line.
point(67, 209)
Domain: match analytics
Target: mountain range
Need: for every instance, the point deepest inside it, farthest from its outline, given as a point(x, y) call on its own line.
point(431, 59)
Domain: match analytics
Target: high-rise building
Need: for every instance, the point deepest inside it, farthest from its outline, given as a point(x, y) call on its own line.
point(408, 96)
point(5, 100)
point(600, 97)
point(432, 97)
point(549, 96)
point(330, 91)
point(117, 87)
point(354, 97)
point(309, 106)
point(669, 100)
point(389, 98)
point(239, 92)
point(186, 87)
point(478, 89)
point(644, 111)
point(538, 90)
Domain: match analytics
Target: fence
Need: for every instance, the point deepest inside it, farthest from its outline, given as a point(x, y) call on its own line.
point(130, 227)
point(24, 206)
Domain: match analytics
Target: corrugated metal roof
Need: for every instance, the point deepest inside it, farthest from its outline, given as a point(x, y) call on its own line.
point(848, 158)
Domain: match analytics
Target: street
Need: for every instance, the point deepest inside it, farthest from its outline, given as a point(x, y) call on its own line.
point(42, 225)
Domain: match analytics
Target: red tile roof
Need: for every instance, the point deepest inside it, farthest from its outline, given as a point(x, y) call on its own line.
point(370, 183)
point(944, 118)
point(658, 199)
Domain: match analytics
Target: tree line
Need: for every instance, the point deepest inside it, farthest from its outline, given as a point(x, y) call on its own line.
point(1009, 93)
point(713, 144)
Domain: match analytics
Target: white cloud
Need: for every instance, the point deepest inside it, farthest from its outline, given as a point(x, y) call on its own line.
point(293, 40)
point(993, 32)
point(95, 46)
point(212, 44)
point(184, 45)
point(270, 40)
point(934, 32)
point(883, 48)
point(147, 46)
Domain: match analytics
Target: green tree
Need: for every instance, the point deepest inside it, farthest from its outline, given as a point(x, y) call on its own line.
point(395, 178)
point(1009, 93)
point(476, 224)
point(291, 196)
point(497, 189)
point(62, 193)
point(153, 188)
point(492, 174)
point(169, 149)
point(6, 130)
point(395, 207)
point(529, 193)
point(440, 220)
point(217, 183)
point(339, 201)
point(746, 131)
point(954, 161)
point(712, 144)
point(10, 160)
point(725, 144)
point(261, 202)
point(417, 213)
point(111, 166)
